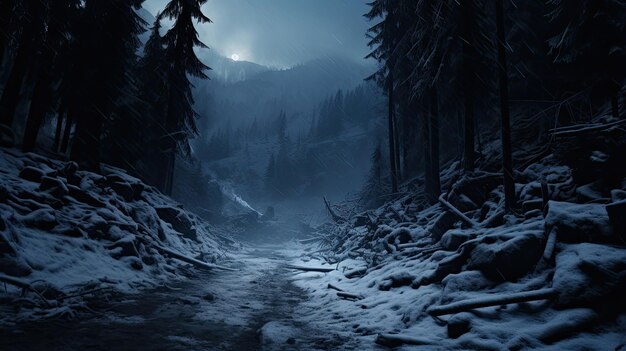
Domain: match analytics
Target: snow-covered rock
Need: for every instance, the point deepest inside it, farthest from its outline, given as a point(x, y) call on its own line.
point(69, 227)
point(577, 223)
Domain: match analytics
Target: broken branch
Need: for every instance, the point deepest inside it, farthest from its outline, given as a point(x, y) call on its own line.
point(458, 213)
point(190, 260)
point(311, 269)
point(497, 300)
point(337, 218)
point(347, 295)
point(394, 340)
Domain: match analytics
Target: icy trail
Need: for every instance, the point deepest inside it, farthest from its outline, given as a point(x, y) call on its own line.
point(254, 308)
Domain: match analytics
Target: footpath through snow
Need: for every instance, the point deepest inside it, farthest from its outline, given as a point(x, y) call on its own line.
point(256, 307)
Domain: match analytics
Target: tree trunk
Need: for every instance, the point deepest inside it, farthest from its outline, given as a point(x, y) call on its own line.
point(58, 129)
point(65, 142)
point(169, 176)
point(39, 105)
point(428, 181)
point(392, 141)
point(507, 158)
point(615, 106)
point(13, 87)
point(86, 145)
point(396, 133)
point(469, 155)
point(434, 144)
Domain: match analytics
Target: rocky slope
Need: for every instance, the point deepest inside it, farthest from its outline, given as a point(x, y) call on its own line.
point(463, 274)
point(67, 235)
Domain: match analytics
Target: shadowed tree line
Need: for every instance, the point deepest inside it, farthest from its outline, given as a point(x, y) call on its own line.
point(78, 65)
point(451, 68)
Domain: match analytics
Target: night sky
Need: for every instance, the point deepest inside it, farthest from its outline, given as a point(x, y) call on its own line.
point(283, 33)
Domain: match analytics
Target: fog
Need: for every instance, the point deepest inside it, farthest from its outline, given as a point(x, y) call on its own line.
point(283, 33)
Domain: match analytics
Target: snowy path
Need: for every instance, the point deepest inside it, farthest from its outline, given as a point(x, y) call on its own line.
point(214, 311)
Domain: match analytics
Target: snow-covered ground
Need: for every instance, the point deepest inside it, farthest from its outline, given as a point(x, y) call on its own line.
point(67, 234)
point(549, 276)
point(256, 307)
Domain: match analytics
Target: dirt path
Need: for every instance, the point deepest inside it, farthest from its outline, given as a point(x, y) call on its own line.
point(214, 311)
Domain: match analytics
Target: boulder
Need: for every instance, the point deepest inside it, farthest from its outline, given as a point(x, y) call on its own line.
point(589, 274)
point(464, 281)
point(43, 219)
point(442, 224)
point(576, 223)
point(179, 220)
point(124, 247)
point(123, 189)
point(31, 174)
point(82, 196)
point(14, 266)
point(510, 259)
point(454, 238)
point(6, 247)
point(459, 324)
point(55, 186)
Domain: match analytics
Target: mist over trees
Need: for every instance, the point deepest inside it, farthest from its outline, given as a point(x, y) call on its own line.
point(444, 64)
point(79, 65)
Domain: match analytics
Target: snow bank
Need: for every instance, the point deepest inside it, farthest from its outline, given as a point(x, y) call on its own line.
point(415, 257)
point(72, 228)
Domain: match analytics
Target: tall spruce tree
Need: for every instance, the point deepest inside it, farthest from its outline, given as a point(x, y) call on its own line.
point(589, 41)
point(384, 38)
point(180, 40)
point(507, 154)
point(31, 28)
point(107, 46)
point(47, 67)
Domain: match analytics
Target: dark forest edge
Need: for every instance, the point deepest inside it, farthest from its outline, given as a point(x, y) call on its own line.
point(445, 64)
point(79, 63)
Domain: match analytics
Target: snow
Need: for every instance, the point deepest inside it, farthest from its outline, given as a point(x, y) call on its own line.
point(73, 228)
point(409, 271)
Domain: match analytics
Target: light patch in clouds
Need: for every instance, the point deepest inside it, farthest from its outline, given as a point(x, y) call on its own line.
point(283, 33)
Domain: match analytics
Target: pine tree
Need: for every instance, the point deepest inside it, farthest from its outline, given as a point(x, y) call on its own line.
point(6, 22)
point(270, 175)
point(47, 68)
point(32, 15)
point(373, 192)
point(180, 41)
point(107, 45)
point(384, 38)
point(152, 68)
point(589, 41)
point(507, 158)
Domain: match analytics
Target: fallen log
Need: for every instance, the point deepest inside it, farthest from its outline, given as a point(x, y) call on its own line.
point(330, 286)
point(355, 273)
point(458, 213)
point(395, 340)
point(582, 129)
point(548, 252)
point(310, 269)
point(347, 295)
point(494, 300)
point(190, 260)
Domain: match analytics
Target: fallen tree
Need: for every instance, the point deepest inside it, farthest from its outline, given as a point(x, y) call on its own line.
point(310, 269)
point(190, 260)
point(458, 213)
point(496, 300)
point(394, 340)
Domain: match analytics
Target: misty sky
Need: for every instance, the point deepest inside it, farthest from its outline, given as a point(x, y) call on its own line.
point(283, 33)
